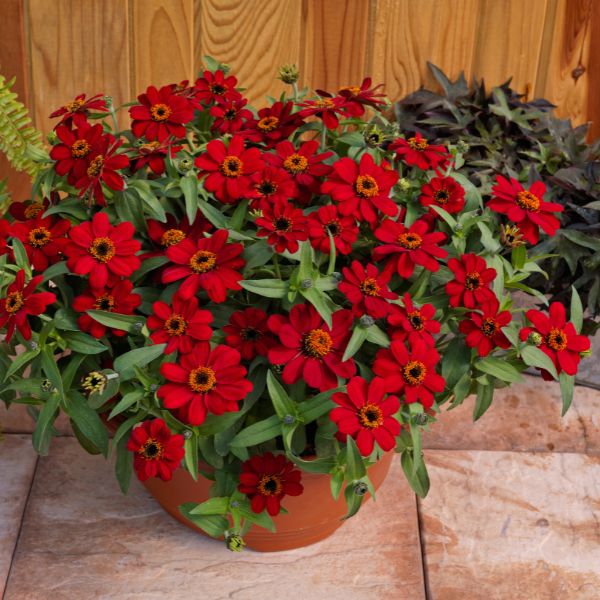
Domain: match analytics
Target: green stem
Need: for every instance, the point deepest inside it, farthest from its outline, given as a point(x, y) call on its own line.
point(323, 136)
point(295, 88)
point(114, 117)
point(190, 143)
point(276, 266)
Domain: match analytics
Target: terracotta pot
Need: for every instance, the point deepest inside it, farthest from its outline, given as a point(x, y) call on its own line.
point(314, 515)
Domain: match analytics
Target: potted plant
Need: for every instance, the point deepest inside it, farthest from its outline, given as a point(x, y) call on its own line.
point(263, 306)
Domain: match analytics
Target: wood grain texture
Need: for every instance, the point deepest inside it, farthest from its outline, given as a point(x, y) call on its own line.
point(77, 47)
point(162, 33)
point(335, 45)
point(255, 37)
point(408, 34)
point(565, 72)
point(508, 42)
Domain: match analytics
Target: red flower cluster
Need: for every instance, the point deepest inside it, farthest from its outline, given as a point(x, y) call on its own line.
point(413, 323)
point(216, 88)
point(274, 123)
point(471, 286)
point(328, 110)
point(445, 193)
point(270, 186)
point(484, 330)
point(229, 116)
point(327, 220)
point(77, 112)
point(248, 332)
point(417, 151)
point(284, 225)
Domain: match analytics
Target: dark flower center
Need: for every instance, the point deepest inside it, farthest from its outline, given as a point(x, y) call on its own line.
point(410, 241)
point(270, 485)
point(333, 227)
point(317, 343)
point(95, 166)
point(14, 302)
point(203, 261)
point(369, 287)
point(556, 339)
point(282, 224)
point(218, 89)
point(295, 164)
point(105, 302)
point(74, 106)
point(365, 186)
point(473, 281)
point(102, 249)
point(176, 325)
point(172, 237)
point(232, 166)
point(441, 197)
point(352, 89)
point(32, 210)
point(489, 327)
point(39, 237)
point(267, 188)
point(230, 115)
point(251, 334)
point(268, 124)
point(160, 113)
point(80, 149)
point(202, 379)
point(414, 372)
point(415, 319)
point(325, 104)
point(152, 449)
point(370, 416)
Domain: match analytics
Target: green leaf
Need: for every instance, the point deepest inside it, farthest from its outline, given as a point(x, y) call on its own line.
point(139, 357)
point(461, 390)
point(417, 289)
point(281, 401)
point(320, 465)
point(456, 362)
point(81, 342)
point(269, 288)
point(375, 335)
point(51, 370)
point(96, 400)
point(41, 436)
point(66, 318)
point(126, 402)
point(191, 456)
point(534, 357)
point(87, 420)
point(306, 263)
point(332, 254)
point(214, 525)
point(519, 256)
point(337, 482)
point(148, 266)
point(116, 321)
point(576, 311)
point(21, 255)
point(86, 444)
point(472, 195)
point(262, 519)
point(189, 187)
point(258, 432)
point(216, 217)
point(446, 216)
point(123, 465)
point(20, 361)
point(214, 424)
point(316, 299)
point(487, 239)
point(238, 217)
point(567, 387)
point(415, 433)
point(359, 335)
point(355, 467)
point(124, 428)
point(420, 482)
point(500, 369)
point(60, 268)
point(353, 501)
point(318, 405)
point(213, 506)
point(485, 395)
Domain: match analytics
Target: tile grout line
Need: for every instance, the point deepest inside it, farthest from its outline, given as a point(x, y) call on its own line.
point(425, 582)
point(12, 560)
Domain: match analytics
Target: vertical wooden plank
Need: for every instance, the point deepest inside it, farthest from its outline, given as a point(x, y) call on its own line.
point(409, 33)
point(508, 43)
point(255, 37)
point(566, 76)
point(163, 42)
point(77, 47)
point(13, 64)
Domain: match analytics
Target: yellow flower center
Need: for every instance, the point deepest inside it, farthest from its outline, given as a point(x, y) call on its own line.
point(202, 379)
point(295, 164)
point(556, 339)
point(353, 90)
point(172, 237)
point(370, 416)
point(102, 249)
point(14, 302)
point(317, 343)
point(251, 334)
point(416, 320)
point(528, 201)
point(152, 449)
point(160, 113)
point(105, 302)
point(268, 124)
point(95, 166)
point(366, 187)
point(176, 325)
point(489, 327)
point(218, 89)
point(270, 485)
point(203, 261)
point(441, 197)
point(80, 149)
point(282, 224)
point(39, 237)
point(324, 104)
point(232, 166)
point(473, 281)
point(418, 145)
point(149, 148)
point(369, 287)
point(410, 241)
point(32, 210)
point(414, 372)
point(74, 106)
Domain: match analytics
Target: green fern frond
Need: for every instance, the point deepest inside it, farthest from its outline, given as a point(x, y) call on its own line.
point(4, 197)
point(16, 131)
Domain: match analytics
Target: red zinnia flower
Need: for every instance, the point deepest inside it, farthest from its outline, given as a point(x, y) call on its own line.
point(326, 220)
point(527, 209)
point(327, 110)
point(365, 416)
point(310, 349)
point(107, 253)
point(267, 479)
point(471, 286)
point(409, 247)
point(184, 90)
point(227, 170)
point(274, 123)
point(229, 116)
point(365, 187)
point(445, 193)
point(164, 235)
point(181, 326)
point(359, 97)
point(4, 233)
point(42, 240)
point(20, 301)
point(302, 165)
point(23, 211)
point(216, 87)
point(161, 114)
point(270, 186)
point(284, 225)
point(158, 452)
point(413, 323)
point(560, 340)
point(77, 112)
point(209, 263)
point(367, 290)
point(103, 166)
point(249, 333)
point(153, 154)
point(74, 155)
point(410, 373)
point(416, 151)
point(205, 381)
point(484, 331)
point(117, 300)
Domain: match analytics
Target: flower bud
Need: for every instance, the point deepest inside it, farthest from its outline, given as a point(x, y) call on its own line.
point(387, 103)
point(95, 382)
point(367, 321)
point(510, 237)
point(46, 386)
point(458, 227)
point(479, 359)
point(51, 137)
point(337, 275)
point(462, 147)
point(108, 102)
point(235, 543)
point(307, 284)
point(289, 419)
point(187, 434)
point(138, 326)
point(393, 129)
point(360, 488)
point(224, 67)
point(33, 345)
point(585, 353)
point(421, 418)
point(534, 339)
point(185, 165)
point(234, 504)
point(374, 137)
point(288, 73)
point(139, 143)
point(403, 185)
point(153, 387)
point(278, 369)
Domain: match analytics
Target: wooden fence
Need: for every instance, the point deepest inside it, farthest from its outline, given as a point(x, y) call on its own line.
point(60, 48)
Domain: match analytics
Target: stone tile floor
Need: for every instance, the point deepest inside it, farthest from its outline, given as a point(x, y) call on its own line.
point(513, 513)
